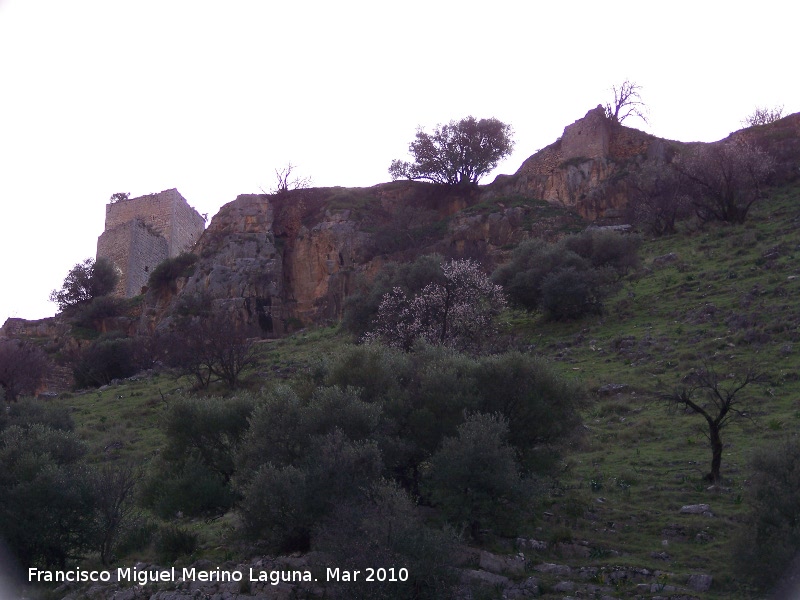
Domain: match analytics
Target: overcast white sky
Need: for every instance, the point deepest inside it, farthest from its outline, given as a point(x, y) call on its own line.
point(105, 96)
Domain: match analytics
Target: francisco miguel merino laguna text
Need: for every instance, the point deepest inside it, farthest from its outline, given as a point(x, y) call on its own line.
point(142, 577)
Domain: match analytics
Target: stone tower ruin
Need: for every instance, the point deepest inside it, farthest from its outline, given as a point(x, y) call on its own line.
point(142, 232)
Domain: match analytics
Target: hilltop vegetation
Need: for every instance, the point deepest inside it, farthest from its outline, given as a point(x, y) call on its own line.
point(570, 427)
point(609, 498)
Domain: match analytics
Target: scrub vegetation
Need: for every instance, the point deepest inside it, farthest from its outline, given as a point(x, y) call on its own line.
point(561, 428)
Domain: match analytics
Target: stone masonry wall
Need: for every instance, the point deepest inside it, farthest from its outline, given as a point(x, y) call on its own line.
point(166, 212)
point(588, 137)
point(147, 249)
point(142, 232)
point(135, 250)
point(186, 226)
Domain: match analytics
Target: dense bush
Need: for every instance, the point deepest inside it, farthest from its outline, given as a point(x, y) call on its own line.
point(605, 249)
point(23, 366)
point(163, 277)
point(282, 505)
point(189, 488)
point(198, 462)
point(85, 281)
point(36, 412)
point(384, 530)
point(569, 294)
point(92, 312)
point(531, 262)
point(299, 460)
point(53, 506)
point(771, 538)
point(423, 396)
point(569, 279)
point(474, 478)
point(46, 496)
point(540, 406)
point(207, 430)
point(108, 357)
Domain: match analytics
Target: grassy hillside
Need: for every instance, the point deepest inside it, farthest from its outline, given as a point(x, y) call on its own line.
point(726, 294)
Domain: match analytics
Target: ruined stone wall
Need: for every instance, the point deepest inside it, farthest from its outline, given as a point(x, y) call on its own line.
point(166, 212)
point(588, 137)
point(147, 249)
point(141, 232)
point(134, 249)
point(186, 226)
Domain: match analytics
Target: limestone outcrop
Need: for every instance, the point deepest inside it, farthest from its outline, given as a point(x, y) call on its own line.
point(585, 170)
point(288, 260)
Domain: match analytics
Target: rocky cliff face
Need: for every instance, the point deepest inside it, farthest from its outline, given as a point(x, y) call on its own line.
point(288, 260)
point(585, 170)
point(284, 261)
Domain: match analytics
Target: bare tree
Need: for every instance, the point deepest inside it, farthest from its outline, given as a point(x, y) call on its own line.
point(210, 348)
point(627, 102)
point(658, 198)
point(763, 116)
point(725, 179)
point(718, 399)
point(285, 181)
point(114, 497)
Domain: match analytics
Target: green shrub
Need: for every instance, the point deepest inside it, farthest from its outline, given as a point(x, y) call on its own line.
point(106, 358)
point(46, 496)
point(603, 248)
point(569, 279)
point(36, 412)
point(278, 433)
point(475, 480)
point(190, 489)
point(163, 277)
point(569, 294)
point(771, 538)
point(103, 307)
point(275, 508)
point(173, 542)
point(282, 505)
point(207, 430)
point(531, 262)
point(384, 530)
point(333, 407)
point(540, 406)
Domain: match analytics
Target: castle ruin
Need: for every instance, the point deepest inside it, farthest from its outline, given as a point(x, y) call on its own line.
point(142, 232)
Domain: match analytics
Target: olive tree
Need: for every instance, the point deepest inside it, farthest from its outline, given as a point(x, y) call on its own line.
point(460, 152)
point(475, 479)
point(86, 281)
